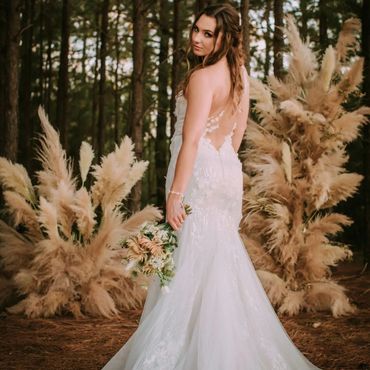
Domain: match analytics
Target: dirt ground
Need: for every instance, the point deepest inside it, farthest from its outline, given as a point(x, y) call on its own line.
point(69, 344)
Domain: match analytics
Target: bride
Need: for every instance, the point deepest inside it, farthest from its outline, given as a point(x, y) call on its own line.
point(216, 315)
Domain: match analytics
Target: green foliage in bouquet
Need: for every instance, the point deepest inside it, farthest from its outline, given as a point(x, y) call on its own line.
point(60, 250)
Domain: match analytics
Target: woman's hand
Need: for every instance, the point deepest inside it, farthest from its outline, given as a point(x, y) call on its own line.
point(175, 212)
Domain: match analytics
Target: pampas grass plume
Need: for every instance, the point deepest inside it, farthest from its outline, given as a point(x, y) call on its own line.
point(295, 173)
point(292, 303)
point(287, 161)
point(276, 288)
point(15, 177)
point(69, 258)
point(48, 218)
point(53, 159)
point(347, 41)
point(327, 68)
point(86, 158)
point(21, 210)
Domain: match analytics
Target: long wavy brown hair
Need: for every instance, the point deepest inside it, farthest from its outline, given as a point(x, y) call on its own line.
point(227, 21)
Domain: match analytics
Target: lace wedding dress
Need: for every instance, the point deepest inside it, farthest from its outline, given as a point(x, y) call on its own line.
point(216, 315)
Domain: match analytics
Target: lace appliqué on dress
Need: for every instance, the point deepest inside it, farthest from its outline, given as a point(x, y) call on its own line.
point(164, 355)
point(213, 122)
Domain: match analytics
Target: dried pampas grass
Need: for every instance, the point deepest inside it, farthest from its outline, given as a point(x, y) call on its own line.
point(116, 175)
point(286, 159)
point(22, 212)
point(16, 251)
point(295, 173)
point(328, 295)
point(292, 303)
point(347, 126)
point(327, 68)
point(347, 41)
point(264, 105)
point(14, 177)
point(68, 257)
point(86, 158)
point(53, 159)
point(302, 63)
point(348, 83)
point(275, 287)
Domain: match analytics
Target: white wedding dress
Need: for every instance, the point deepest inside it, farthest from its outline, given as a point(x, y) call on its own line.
point(216, 315)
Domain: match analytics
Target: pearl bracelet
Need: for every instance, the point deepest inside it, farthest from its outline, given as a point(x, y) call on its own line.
point(176, 192)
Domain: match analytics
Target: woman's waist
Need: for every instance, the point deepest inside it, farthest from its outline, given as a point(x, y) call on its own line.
point(229, 211)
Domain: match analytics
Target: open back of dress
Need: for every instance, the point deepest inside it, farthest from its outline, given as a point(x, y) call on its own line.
point(222, 124)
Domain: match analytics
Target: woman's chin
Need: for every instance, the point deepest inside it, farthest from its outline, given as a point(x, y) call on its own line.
point(198, 53)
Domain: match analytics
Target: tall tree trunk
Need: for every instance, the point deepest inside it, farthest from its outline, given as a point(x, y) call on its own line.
point(323, 24)
point(49, 62)
point(175, 72)
point(94, 97)
point(199, 5)
point(62, 96)
point(2, 73)
point(103, 56)
point(41, 50)
point(25, 93)
point(12, 11)
point(244, 10)
point(151, 175)
point(267, 38)
point(161, 146)
point(366, 137)
point(116, 76)
point(278, 38)
point(137, 103)
point(84, 42)
point(304, 19)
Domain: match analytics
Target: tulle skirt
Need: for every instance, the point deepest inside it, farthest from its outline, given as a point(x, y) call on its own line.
point(216, 314)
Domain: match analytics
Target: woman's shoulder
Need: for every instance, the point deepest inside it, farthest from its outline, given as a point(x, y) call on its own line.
point(205, 77)
point(199, 76)
point(199, 80)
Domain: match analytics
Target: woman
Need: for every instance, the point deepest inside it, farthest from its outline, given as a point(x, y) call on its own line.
point(216, 315)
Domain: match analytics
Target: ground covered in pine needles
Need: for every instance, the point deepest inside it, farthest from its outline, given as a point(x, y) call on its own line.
point(69, 344)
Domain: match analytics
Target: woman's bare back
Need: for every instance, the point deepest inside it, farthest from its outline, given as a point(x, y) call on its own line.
point(222, 119)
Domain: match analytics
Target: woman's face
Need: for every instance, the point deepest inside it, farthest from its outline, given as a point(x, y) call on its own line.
point(202, 36)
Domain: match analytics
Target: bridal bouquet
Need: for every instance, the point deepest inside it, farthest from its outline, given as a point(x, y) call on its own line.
point(150, 251)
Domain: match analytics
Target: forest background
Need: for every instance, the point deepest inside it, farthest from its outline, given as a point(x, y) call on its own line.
point(103, 69)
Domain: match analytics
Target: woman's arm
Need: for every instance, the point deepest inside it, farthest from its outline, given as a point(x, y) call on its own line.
point(199, 101)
